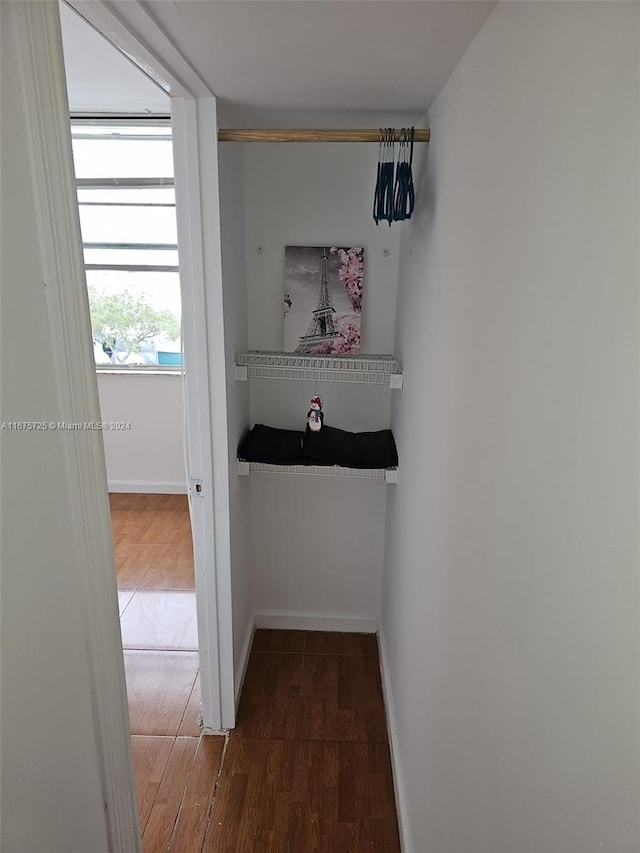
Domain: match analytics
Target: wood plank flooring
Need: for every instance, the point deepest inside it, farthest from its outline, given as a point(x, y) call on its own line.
point(306, 770)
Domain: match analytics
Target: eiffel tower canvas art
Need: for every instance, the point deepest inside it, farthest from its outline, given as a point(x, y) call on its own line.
point(323, 299)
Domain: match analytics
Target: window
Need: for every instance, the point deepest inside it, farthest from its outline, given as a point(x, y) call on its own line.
point(128, 219)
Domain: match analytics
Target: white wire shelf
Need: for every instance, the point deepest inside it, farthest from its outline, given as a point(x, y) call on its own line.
point(389, 475)
point(364, 370)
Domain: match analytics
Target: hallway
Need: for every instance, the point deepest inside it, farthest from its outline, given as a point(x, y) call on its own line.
point(306, 769)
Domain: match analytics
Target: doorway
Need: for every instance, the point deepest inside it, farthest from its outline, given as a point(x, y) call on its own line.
point(126, 200)
point(172, 451)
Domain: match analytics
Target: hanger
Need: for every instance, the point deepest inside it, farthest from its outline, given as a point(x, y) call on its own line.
point(383, 195)
point(394, 200)
point(404, 193)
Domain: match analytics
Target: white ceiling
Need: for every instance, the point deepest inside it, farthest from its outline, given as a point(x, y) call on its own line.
point(323, 54)
point(99, 77)
point(356, 55)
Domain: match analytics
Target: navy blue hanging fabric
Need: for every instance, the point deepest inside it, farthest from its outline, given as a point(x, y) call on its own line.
point(376, 193)
point(383, 196)
point(394, 200)
point(389, 167)
point(404, 194)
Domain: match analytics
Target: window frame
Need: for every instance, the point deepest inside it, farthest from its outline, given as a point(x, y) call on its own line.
point(77, 123)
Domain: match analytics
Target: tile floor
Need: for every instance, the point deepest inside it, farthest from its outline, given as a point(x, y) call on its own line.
point(306, 769)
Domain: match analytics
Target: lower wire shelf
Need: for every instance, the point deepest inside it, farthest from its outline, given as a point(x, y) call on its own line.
point(389, 475)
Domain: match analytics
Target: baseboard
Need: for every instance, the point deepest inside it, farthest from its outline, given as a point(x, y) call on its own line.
point(406, 845)
point(241, 669)
point(292, 620)
point(148, 487)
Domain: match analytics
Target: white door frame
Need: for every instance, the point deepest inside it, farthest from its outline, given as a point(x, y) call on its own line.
point(133, 30)
point(198, 214)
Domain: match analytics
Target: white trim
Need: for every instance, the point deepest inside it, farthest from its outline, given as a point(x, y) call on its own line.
point(241, 669)
point(388, 475)
point(364, 369)
point(293, 620)
point(151, 371)
point(406, 845)
point(48, 134)
point(206, 124)
point(198, 214)
point(148, 487)
point(240, 372)
point(132, 29)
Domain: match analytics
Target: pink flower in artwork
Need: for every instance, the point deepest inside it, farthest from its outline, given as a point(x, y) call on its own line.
point(351, 273)
point(348, 340)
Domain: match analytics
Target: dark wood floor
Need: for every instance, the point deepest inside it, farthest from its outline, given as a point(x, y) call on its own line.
point(307, 769)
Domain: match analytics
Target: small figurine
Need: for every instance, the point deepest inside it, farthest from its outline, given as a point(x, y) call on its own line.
point(315, 415)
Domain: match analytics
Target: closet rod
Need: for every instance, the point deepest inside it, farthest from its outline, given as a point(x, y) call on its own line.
point(255, 135)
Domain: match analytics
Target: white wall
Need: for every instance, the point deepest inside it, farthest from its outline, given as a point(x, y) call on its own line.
point(316, 194)
point(236, 115)
point(309, 194)
point(100, 79)
point(234, 284)
point(317, 545)
point(510, 613)
point(51, 792)
point(150, 456)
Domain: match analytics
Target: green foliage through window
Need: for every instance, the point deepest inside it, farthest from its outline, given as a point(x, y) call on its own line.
point(128, 319)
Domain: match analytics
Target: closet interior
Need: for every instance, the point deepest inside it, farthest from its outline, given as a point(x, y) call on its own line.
point(314, 533)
